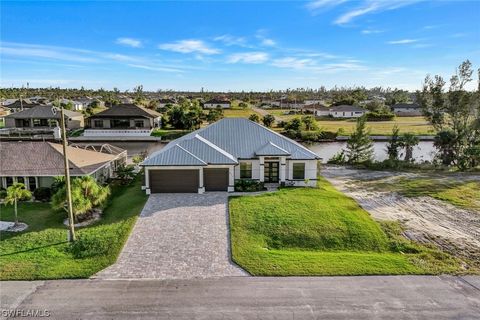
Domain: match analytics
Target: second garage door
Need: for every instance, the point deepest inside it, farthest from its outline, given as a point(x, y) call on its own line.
point(215, 179)
point(173, 181)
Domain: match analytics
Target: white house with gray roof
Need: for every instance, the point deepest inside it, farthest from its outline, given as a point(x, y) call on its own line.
point(212, 158)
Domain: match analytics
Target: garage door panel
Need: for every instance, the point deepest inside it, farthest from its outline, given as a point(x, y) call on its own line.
point(174, 181)
point(215, 179)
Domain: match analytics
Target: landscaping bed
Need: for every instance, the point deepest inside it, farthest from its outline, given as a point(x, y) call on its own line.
point(42, 252)
point(320, 231)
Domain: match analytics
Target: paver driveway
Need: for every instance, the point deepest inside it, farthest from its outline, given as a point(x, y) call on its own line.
point(178, 236)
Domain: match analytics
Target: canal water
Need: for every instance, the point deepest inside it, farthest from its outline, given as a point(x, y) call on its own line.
point(424, 151)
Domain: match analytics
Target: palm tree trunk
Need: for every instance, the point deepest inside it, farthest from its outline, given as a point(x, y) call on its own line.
point(15, 208)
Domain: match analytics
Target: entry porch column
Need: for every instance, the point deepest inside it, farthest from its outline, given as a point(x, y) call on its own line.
point(201, 187)
point(262, 169)
point(283, 170)
point(231, 179)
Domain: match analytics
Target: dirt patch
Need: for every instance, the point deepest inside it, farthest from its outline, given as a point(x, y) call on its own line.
point(453, 229)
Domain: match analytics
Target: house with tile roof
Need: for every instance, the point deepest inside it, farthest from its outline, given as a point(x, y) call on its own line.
point(43, 117)
point(37, 163)
point(213, 157)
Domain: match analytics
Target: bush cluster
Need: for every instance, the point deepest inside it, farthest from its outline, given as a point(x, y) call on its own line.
point(248, 185)
point(380, 116)
point(42, 194)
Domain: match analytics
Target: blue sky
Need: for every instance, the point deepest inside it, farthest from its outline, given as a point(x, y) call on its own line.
point(227, 45)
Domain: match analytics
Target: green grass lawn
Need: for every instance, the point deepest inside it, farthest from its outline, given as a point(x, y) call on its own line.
point(41, 251)
point(463, 194)
point(320, 231)
point(238, 113)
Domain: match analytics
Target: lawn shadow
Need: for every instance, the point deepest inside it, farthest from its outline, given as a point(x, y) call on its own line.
point(33, 249)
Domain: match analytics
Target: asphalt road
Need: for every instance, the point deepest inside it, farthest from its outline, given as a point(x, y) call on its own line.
point(375, 297)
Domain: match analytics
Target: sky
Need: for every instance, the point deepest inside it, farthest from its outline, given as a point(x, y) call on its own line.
point(233, 45)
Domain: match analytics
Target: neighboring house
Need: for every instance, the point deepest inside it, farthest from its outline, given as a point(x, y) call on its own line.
point(162, 103)
point(123, 120)
point(19, 104)
point(346, 111)
point(290, 104)
point(214, 103)
point(212, 158)
point(76, 105)
point(407, 109)
point(43, 117)
point(37, 163)
point(319, 110)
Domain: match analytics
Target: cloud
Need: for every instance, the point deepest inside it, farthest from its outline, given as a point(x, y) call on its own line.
point(372, 31)
point(403, 41)
point(365, 7)
point(84, 57)
point(268, 42)
point(248, 57)
point(189, 46)
point(129, 42)
point(155, 68)
point(293, 63)
point(230, 40)
point(45, 52)
point(317, 5)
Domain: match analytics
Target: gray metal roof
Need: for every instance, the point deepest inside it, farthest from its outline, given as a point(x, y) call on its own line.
point(226, 141)
point(271, 149)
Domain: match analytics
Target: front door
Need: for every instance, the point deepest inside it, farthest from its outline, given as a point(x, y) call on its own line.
point(271, 172)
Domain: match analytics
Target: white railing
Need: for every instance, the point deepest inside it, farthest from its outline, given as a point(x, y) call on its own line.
point(117, 132)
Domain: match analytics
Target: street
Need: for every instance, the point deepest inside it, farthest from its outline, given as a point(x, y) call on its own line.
point(363, 297)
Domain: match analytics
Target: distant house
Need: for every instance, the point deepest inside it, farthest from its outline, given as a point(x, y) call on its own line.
point(162, 103)
point(346, 111)
point(319, 110)
point(123, 120)
point(214, 103)
point(407, 109)
point(76, 105)
point(309, 102)
point(35, 164)
point(16, 105)
point(290, 104)
point(43, 117)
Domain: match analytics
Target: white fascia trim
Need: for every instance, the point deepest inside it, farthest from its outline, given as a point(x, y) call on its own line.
point(179, 146)
point(217, 148)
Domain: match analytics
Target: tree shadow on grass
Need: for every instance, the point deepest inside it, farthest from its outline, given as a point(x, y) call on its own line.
point(33, 249)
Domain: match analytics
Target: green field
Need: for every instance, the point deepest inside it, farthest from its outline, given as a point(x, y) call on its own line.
point(238, 113)
point(41, 251)
point(320, 231)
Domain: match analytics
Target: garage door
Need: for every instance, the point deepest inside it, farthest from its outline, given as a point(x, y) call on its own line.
point(215, 179)
point(173, 181)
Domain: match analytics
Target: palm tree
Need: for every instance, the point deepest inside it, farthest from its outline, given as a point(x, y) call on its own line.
point(15, 193)
point(408, 141)
point(86, 195)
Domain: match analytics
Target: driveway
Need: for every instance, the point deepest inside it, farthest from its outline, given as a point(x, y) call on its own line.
point(178, 236)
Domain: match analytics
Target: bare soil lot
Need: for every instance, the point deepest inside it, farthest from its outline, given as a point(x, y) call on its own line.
point(427, 220)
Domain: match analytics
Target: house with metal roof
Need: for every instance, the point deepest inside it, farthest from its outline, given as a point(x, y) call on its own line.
point(212, 158)
point(407, 109)
point(37, 163)
point(122, 120)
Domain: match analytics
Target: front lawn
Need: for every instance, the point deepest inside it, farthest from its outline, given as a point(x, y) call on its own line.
point(42, 252)
point(306, 231)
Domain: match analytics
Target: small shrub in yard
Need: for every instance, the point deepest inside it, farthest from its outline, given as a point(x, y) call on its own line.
point(3, 194)
point(42, 194)
point(248, 185)
point(92, 245)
